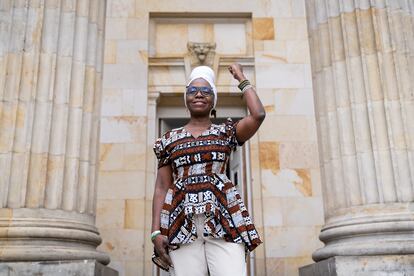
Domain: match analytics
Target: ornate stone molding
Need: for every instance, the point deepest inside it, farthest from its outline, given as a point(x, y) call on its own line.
point(201, 54)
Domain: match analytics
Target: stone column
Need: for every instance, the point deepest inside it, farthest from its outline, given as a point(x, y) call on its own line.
point(362, 56)
point(50, 88)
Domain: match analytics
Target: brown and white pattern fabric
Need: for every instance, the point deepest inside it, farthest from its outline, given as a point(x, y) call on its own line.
point(201, 186)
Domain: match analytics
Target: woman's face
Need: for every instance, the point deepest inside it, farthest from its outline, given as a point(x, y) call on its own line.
point(201, 101)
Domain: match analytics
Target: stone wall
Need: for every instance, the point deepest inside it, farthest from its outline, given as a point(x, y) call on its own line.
point(286, 193)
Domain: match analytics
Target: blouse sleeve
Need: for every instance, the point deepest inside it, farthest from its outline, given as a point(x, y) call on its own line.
point(161, 153)
point(230, 126)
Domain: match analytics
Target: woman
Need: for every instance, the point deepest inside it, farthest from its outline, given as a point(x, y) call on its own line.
point(200, 225)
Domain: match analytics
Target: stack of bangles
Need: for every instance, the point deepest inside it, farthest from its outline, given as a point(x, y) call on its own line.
point(244, 85)
point(155, 234)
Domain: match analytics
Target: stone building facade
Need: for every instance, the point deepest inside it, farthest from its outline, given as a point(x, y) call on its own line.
point(146, 64)
point(87, 86)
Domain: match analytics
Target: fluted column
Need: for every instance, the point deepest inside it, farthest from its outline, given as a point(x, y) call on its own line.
point(50, 88)
point(362, 56)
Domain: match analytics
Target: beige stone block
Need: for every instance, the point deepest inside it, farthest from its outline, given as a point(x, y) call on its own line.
point(316, 182)
point(299, 211)
point(167, 76)
point(298, 8)
point(111, 102)
point(258, 45)
point(171, 39)
point(280, 8)
point(234, 44)
point(134, 156)
point(121, 185)
point(116, 28)
point(269, 57)
point(142, 8)
point(286, 183)
point(137, 28)
point(134, 214)
point(129, 51)
point(123, 129)
point(304, 184)
point(263, 28)
point(122, 157)
point(269, 156)
point(134, 102)
point(279, 241)
point(298, 51)
point(280, 75)
point(110, 51)
point(125, 76)
point(111, 157)
point(296, 155)
point(121, 8)
point(273, 52)
point(201, 32)
point(288, 128)
point(308, 76)
point(123, 244)
point(294, 102)
point(275, 266)
point(110, 213)
point(273, 211)
point(290, 29)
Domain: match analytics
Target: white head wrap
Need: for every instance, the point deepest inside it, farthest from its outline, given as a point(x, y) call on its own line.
point(205, 73)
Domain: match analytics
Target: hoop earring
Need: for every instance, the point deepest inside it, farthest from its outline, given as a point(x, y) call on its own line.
point(213, 113)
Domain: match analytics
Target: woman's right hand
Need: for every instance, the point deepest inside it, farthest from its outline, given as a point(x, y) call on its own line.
point(161, 246)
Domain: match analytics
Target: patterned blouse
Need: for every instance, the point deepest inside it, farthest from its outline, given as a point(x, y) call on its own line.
point(200, 186)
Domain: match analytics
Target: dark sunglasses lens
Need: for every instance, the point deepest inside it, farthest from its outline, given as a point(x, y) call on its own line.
point(191, 90)
point(205, 90)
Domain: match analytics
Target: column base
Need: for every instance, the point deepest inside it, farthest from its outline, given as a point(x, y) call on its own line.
point(66, 268)
point(41, 235)
point(398, 265)
point(369, 230)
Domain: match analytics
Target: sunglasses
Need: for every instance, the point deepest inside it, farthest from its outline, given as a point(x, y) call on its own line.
point(205, 90)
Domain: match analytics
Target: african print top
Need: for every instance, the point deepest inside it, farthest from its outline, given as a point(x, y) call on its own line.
point(200, 186)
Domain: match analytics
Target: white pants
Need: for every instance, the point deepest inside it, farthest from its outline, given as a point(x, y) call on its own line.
point(208, 254)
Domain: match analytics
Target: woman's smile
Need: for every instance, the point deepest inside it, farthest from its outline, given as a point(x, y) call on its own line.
point(199, 103)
